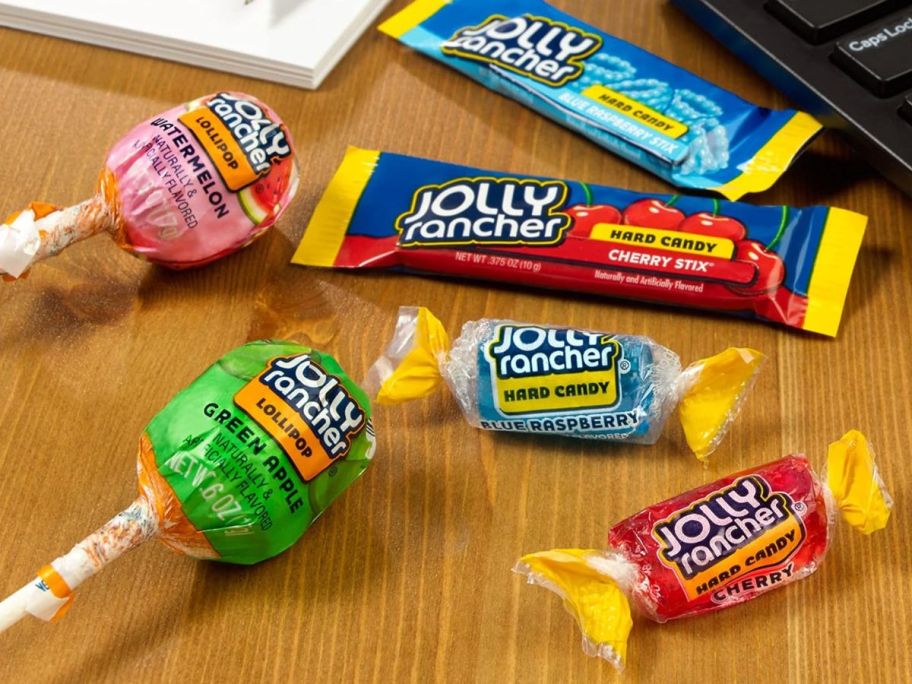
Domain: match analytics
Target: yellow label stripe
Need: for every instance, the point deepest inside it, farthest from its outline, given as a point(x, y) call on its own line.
point(646, 116)
point(557, 392)
point(839, 247)
point(326, 231)
point(416, 13)
point(666, 240)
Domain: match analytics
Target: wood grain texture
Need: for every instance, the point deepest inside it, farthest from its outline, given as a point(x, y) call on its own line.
point(407, 577)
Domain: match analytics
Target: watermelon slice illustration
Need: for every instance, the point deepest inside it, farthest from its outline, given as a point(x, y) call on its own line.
point(263, 200)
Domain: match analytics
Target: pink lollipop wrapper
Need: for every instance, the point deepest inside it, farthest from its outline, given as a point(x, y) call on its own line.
point(181, 189)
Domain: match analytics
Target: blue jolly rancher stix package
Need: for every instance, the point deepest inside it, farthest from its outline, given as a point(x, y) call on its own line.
point(659, 116)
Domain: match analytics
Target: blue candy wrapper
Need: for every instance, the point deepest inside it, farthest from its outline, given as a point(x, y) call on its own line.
point(653, 113)
point(564, 381)
point(554, 380)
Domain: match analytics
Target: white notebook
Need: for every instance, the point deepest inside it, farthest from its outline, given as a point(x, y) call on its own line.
point(296, 42)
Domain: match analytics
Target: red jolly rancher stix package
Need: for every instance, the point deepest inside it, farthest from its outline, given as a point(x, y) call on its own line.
point(775, 263)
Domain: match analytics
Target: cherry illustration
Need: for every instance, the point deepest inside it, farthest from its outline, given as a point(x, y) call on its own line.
point(704, 223)
point(770, 269)
point(585, 216)
point(653, 213)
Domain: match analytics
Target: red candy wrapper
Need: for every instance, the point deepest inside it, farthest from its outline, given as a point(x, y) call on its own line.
point(781, 264)
point(181, 189)
point(715, 546)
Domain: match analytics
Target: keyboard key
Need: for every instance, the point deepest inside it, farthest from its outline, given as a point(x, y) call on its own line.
point(906, 109)
point(818, 21)
point(880, 57)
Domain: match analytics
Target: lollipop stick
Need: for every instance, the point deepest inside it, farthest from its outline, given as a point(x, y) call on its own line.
point(12, 608)
point(62, 228)
point(42, 231)
point(49, 595)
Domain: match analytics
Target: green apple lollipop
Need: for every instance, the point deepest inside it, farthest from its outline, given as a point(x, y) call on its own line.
point(235, 468)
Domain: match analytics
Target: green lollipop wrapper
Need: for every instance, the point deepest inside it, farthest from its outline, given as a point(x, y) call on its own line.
point(234, 469)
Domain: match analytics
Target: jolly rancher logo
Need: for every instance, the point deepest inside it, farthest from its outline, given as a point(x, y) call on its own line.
point(540, 370)
point(732, 533)
point(307, 410)
point(239, 136)
point(485, 211)
point(547, 51)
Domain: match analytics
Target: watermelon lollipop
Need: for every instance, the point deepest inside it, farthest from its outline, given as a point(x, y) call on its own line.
point(235, 469)
point(183, 188)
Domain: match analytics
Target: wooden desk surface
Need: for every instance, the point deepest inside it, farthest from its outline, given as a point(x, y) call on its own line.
point(408, 576)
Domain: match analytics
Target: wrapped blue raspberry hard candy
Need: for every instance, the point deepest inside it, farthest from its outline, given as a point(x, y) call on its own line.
point(542, 379)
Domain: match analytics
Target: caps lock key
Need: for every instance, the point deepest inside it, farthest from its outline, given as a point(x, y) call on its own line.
point(880, 58)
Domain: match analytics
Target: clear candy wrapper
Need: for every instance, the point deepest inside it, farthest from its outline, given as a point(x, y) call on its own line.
point(541, 379)
point(716, 546)
point(184, 188)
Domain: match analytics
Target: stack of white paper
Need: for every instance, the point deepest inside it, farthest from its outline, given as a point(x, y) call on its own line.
point(297, 42)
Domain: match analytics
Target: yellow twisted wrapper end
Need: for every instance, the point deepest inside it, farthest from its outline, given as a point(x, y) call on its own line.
point(715, 390)
point(413, 358)
point(582, 578)
point(852, 477)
